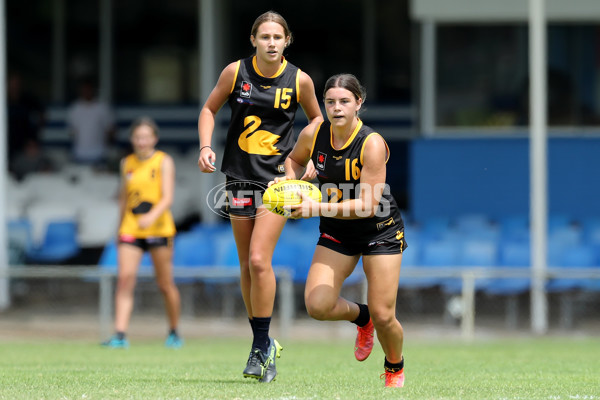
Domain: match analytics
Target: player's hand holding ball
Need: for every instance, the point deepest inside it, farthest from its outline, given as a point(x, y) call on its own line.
point(307, 208)
point(292, 198)
point(278, 179)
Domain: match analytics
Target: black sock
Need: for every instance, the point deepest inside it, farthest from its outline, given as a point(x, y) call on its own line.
point(388, 366)
point(363, 315)
point(251, 325)
point(261, 333)
point(120, 335)
point(173, 332)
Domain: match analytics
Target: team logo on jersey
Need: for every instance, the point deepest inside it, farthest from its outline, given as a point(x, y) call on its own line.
point(321, 159)
point(337, 158)
point(265, 87)
point(246, 89)
point(281, 168)
point(257, 141)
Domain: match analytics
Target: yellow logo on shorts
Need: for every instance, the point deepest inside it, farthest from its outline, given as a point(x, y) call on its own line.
point(399, 235)
point(387, 222)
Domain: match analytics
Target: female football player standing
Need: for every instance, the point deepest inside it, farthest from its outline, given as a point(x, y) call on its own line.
point(264, 92)
point(360, 218)
point(145, 197)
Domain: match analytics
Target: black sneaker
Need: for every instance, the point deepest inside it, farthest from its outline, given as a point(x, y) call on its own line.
point(254, 366)
point(274, 351)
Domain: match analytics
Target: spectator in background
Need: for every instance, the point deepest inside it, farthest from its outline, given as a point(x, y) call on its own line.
point(26, 117)
point(31, 159)
point(91, 124)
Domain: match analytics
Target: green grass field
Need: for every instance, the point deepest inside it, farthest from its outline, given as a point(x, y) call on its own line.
point(540, 368)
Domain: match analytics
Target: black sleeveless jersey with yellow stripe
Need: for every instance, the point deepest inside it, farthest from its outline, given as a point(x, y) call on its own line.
point(338, 172)
point(260, 134)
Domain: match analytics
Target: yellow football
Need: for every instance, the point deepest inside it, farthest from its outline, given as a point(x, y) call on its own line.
point(287, 193)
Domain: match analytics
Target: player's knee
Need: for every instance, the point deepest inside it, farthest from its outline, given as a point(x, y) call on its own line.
point(382, 319)
point(319, 310)
point(164, 286)
point(126, 282)
point(259, 263)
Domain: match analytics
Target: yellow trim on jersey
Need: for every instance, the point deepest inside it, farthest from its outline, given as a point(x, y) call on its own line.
point(298, 85)
point(312, 148)
point(237, 69)
point(350, 139)
point(279, 71)
point(362, 149)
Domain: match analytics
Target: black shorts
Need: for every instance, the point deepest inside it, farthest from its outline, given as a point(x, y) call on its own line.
point(392, 244)
point(146, 243)
point(243, 197)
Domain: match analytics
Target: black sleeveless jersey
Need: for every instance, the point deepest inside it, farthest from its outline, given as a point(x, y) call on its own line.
point(260, 134)
point(338, 172)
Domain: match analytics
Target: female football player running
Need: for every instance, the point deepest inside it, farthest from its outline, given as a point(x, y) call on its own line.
point(359, 217)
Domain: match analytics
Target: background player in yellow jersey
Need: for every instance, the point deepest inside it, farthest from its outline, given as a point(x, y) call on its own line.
point(359, 218)
point(146, 194)
point(263, 92)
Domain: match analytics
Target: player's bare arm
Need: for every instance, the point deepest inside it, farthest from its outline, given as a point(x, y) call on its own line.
point(299, 157)
point(372, 180)
point(308, 100)
point(206, 120)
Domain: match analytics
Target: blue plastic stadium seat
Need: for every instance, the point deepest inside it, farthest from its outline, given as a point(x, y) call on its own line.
point(435, 253)
point(591, 235)
point(579, 256)
point(472, 222)
point(192, 250)
point(301, 245)
point(411, 257)
point(19, 238)
point(59, 244)
point(512, 255)
point(210, 229)
point(558, 221)
point(474, 253)
point(569, 235)
point(514, 228)
point(435, 228)
point(225, 255)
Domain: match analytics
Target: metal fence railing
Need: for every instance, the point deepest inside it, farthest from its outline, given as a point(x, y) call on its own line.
point(106, 280)
point(464, 298)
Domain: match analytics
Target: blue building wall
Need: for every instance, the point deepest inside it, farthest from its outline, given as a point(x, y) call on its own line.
point(451, 177)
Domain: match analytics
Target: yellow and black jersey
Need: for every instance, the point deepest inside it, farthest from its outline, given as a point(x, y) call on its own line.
point(143, 183)
point(338, 172)
point(260, 134)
